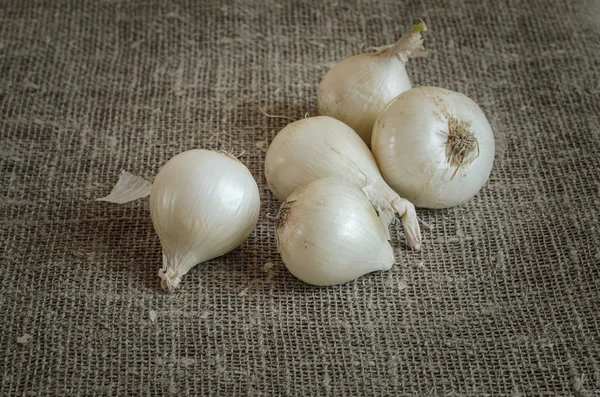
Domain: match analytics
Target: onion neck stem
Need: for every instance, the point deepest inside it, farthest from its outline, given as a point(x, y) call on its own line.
point(410, 44)
point(385, 199)
point(170, 279)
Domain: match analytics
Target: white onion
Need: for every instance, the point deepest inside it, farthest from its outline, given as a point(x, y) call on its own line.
point(329, 233)
point(434, 146)
point(203, 204)
point(321, 147)
point(358, 88)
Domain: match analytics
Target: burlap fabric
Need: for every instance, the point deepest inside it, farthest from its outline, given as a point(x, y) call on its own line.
point(502, 300)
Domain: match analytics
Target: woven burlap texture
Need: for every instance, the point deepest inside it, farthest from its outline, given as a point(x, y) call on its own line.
point(503, 299)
